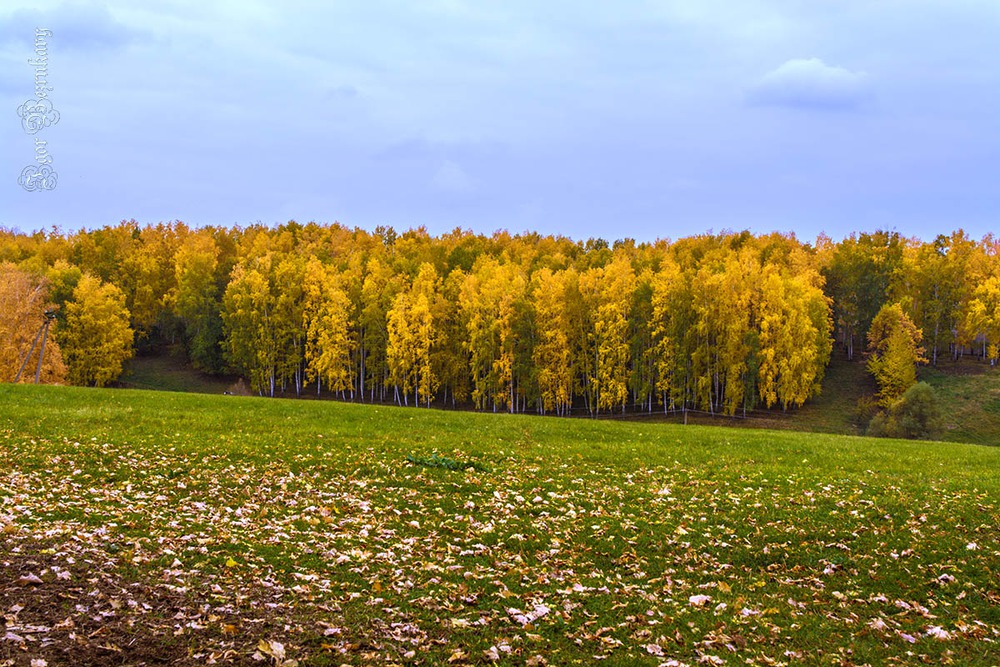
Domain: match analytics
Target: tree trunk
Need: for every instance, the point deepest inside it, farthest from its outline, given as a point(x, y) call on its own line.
point(361, 375)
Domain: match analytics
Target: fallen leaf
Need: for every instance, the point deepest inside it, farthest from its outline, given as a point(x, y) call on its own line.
point(272, 648)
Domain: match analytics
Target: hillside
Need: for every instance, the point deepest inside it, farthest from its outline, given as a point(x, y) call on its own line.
point(968, 391)
point(143, 527)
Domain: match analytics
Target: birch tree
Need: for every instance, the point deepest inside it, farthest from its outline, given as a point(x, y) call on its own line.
point(97, 339)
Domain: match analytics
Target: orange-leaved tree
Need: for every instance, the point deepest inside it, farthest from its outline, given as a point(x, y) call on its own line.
point(23, 307)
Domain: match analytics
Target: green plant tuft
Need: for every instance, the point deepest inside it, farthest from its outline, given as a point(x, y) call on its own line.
point(437, 461)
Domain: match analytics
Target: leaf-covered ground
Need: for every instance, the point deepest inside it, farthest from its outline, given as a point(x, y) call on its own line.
point(140, 528)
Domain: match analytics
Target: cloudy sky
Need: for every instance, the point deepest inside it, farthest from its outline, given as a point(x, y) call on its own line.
point(611, 119)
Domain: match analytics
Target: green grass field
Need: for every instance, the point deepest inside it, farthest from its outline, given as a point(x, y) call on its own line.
point(167, 528)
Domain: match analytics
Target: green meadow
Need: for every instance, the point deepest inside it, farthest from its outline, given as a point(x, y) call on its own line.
point(168, 528)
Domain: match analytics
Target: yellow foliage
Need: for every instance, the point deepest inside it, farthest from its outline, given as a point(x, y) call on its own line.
point(23, 304)
point(552, 293)
point(97, 340)
point(894, 346)
point(329, 339)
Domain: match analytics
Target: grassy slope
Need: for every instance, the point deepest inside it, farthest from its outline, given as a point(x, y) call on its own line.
point(170, 372)
point(832, 411)
point(969, 393)
point(807, 544)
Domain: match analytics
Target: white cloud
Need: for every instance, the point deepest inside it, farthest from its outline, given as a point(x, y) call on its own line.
point(81, 27)
point(450, 177)
point(810, 83)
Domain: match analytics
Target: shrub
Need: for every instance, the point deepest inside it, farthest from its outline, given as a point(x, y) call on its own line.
point(864, 412)
point(914, 415)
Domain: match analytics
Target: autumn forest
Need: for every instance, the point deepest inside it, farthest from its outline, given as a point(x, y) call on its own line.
point(721, 323)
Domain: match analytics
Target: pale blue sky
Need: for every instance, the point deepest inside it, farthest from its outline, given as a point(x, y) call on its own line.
point(628, 119)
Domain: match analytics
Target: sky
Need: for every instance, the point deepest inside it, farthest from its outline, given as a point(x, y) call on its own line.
point(625, 119)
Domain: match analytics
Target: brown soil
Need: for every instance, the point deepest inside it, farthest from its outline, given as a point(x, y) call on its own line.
point(68, 609)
